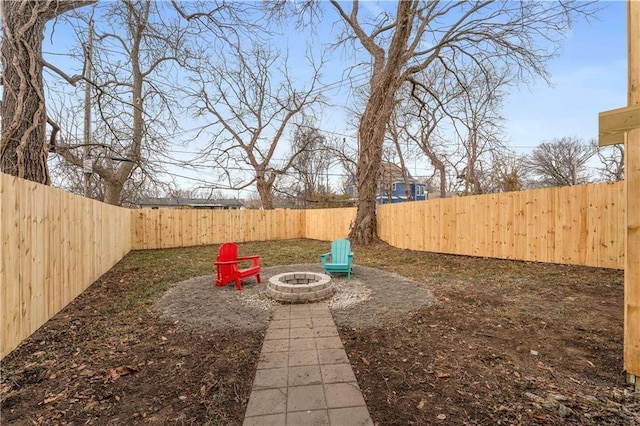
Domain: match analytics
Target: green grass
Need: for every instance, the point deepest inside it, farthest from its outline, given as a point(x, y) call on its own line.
point(154, 271)
point(149, 273)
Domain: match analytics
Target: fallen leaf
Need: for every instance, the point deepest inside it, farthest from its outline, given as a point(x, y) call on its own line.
point(443, 375)
point(126, 369)
point(52, 398)
point(365, 361)
point(123, 370)
point(421, 405)
point(90, 405)
point(442, 416)
point(534, 397)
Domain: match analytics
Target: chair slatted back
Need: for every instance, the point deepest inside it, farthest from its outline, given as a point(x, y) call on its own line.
point(340, 250)
point(226, 253)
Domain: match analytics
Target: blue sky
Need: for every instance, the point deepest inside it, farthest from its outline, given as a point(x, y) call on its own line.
point(589, 77)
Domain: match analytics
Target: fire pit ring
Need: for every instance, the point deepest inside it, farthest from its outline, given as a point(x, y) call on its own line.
point(300, 287)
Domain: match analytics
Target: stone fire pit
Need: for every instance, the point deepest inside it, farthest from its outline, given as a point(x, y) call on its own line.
point(300, 287)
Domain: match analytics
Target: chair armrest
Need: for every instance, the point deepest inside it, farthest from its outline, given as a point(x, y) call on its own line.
point(323, 257)
point(255, 259)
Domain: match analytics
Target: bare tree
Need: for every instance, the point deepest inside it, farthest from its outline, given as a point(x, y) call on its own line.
point(138, 47)
point(253, 101)
point(561, 162)
point(422, 131)
point(395, 136)
point(345, 155)
point(311, 163)
point(178, 192)
point(139, 56)
point(518, 36)
point(426, 122)
point(23, 149)
point(612, 159)
point(507, 173)
point(478, 125)
point(460, 131)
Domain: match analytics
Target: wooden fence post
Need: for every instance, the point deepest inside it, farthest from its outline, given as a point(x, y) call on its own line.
point(618, 126)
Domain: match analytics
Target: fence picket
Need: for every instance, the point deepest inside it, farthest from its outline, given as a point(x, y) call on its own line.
point(56, 244)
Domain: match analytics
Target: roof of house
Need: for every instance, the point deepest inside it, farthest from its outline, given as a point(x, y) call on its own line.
point(190, 202)
point(390, 172)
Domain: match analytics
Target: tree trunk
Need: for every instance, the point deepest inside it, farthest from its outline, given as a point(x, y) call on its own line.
point(371, 134)
point(385, 82)
point(116, 176)
point(264, 190)
point(439, 166)
point(23, 149)
point(113, 192)
point(405, 172)
point(443, 181)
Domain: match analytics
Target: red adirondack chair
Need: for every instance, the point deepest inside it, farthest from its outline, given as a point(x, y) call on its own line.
point(227, 269)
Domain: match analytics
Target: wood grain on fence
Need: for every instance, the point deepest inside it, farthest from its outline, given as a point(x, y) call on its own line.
point(328, 224)
point(54, 245)
point(191, 227)
point(188, 227)
point(580, 225)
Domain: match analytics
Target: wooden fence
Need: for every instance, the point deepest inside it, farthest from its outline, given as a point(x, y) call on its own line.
point(181, 228)
point(580, 225)
point(55, 244)
point(328, 224)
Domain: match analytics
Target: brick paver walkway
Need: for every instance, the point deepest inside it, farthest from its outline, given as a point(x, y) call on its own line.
point(304, 376)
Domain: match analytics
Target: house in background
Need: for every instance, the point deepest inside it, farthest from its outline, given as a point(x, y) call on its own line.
point(393, 186)
point(190, 203)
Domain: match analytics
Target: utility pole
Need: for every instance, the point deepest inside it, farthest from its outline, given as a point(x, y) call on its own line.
point(87, 161)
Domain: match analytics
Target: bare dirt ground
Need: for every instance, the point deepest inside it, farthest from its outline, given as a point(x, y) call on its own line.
point(438, 339)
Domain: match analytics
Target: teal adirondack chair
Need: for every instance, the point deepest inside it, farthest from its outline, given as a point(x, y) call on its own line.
point(339, 259)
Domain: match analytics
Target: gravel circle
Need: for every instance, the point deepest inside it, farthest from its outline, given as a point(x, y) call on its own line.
point(371, 297)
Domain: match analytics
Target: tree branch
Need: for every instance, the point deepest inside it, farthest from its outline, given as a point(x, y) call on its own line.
point(70, 79)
